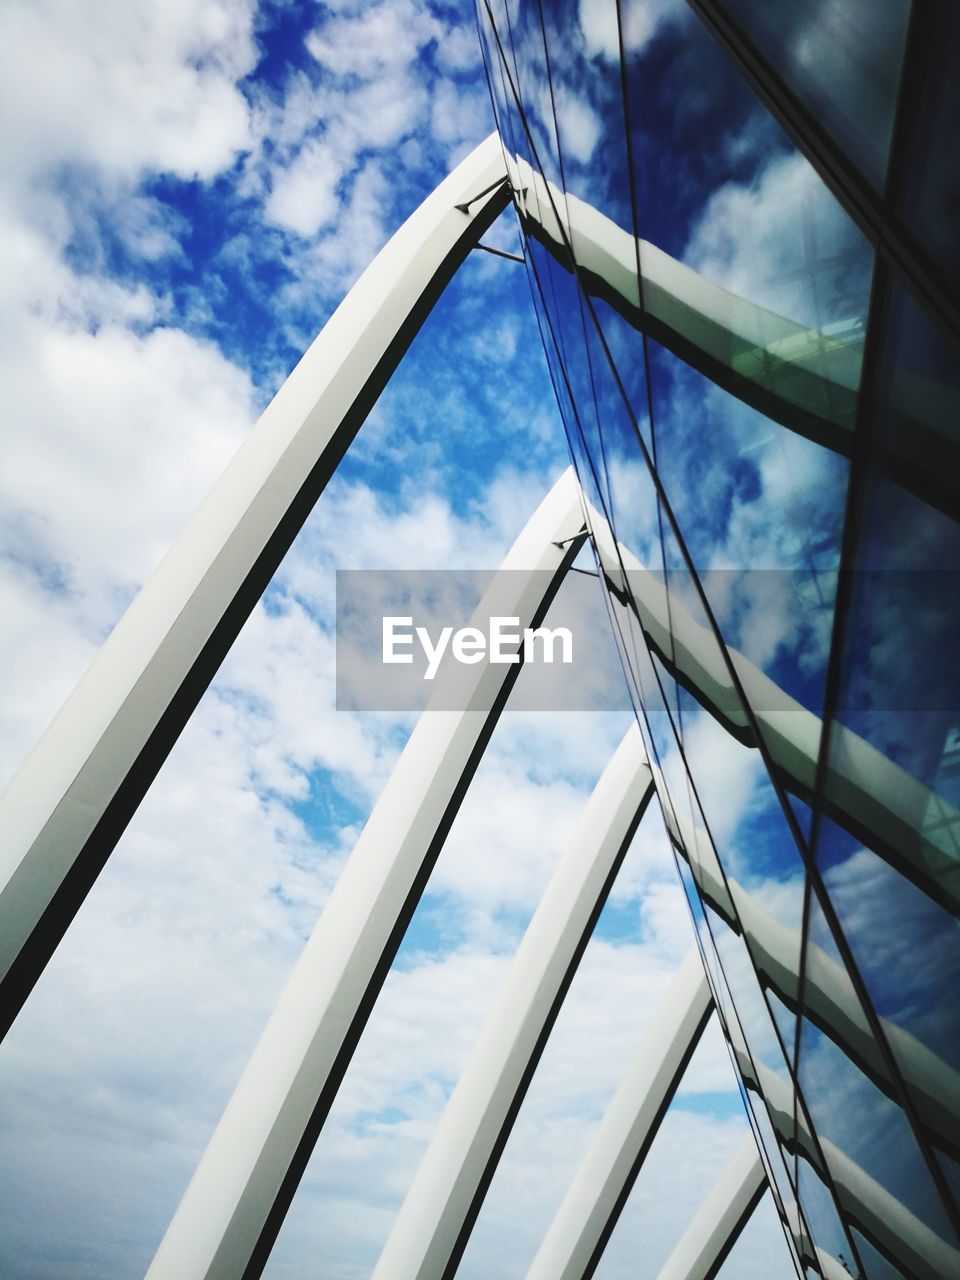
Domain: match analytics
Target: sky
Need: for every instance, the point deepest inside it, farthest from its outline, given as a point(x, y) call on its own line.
point(188, 191)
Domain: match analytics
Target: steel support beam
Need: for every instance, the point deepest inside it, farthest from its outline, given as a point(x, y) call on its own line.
point(434, 1223)
point(71, 800)
point(575, 1240)
point(711, 1235)
point(232, 1210)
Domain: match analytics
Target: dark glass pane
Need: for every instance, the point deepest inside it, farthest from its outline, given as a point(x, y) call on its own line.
point(821, 1216)
point(776, 311)
point(863, 1135)
point(695, 125)
point(915, 421)
point(875, 1265)
point(907, 951)
point(893, 778)
point(842, 59)
point(928, 196)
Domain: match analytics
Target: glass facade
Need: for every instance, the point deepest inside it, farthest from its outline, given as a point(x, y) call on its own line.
point(738, 247)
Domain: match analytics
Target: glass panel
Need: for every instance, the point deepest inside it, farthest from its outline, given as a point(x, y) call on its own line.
point(761, 509)
point(721, 190)
point(928, 197)
point(907, 950)
point(820, 1212)
point(763, 871)
point(864, 1136)
point(842, 59)
point(588, 106)
point(899, 701)
point(875, 1265)
point(917, 418)
point(533, 86)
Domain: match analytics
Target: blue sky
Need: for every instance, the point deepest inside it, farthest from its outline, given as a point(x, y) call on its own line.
point(190, 189)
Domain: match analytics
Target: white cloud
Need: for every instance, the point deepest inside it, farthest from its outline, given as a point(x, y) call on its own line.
point(127, 86)
point(641, 20)
point(109, 426)
point(578, 125)
point(756, 237)
point(375, 39)
point(304, 195)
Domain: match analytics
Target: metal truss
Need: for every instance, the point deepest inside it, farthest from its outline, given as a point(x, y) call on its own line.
point(75, 794)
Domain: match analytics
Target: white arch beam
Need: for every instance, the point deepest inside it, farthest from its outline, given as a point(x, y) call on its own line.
point(701, 1251)
point(72, 798)
point(433, 1226)
point(575, 1240)
point(231, 1211)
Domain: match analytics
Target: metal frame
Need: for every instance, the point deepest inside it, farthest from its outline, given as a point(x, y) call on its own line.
point(73, 797)
point(431, 1231)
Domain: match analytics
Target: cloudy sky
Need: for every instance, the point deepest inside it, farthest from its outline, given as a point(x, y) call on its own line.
point(188, 190)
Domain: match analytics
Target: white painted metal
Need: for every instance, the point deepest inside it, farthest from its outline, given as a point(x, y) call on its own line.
point(595, 1197)
point(232, 1208)
point(68, 804)
point(810, 371)
point(434, 1221)
point(720, 1218)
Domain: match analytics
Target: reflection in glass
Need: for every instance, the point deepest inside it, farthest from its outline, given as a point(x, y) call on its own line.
point(842, 58)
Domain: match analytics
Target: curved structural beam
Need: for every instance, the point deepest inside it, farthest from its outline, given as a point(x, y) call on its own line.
point(711, 1235)
point(434, 1224)
point(232, 1210)
point(875, 799)
point(71, 800)
point(575, 1240)
point(798, 376)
